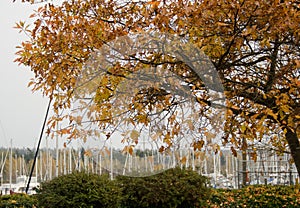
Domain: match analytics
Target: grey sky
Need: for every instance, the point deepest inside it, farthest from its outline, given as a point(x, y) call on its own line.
point(21, 111)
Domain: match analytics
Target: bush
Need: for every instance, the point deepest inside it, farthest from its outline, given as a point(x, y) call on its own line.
point(256, 196)
point(171, 188)
point(79, 190)
point(18, 200)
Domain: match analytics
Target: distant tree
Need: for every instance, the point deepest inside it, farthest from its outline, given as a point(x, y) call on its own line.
point(29, 155)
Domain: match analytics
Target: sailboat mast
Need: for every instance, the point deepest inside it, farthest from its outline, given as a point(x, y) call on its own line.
point(65, 161)
point(10, 165)
point(111, 160)
point(2, 165)
point(16, 165)
point(47, 161)
point(57, 155)
point(70, 160)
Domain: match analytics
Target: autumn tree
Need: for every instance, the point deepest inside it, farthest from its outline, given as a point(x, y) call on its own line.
point(253, 45)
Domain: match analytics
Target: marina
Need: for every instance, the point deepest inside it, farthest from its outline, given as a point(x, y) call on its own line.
point(223, 169)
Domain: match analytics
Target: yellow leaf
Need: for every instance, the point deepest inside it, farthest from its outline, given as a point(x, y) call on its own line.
point(243, 128)
point(167, 138)
point(209, 136)
point(172, 118)
point(222, 24)
point(234, 152)
point(183, 160)
point(198, 145)
point(32, 15)
point(161, 149)
point(271, 113)
point(88, 153)
point(134, 135)
point(285, 108)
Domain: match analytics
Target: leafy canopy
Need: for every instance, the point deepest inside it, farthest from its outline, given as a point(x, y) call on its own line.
point(253, 45)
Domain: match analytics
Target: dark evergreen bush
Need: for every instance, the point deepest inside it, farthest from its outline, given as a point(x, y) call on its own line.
point(172, 188)
point(79, 190)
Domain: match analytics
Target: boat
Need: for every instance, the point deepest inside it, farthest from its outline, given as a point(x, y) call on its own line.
point(20, 186)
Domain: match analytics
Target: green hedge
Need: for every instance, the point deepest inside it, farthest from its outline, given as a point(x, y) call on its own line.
point(79, 190)
point(171, 188)
point(256, 196)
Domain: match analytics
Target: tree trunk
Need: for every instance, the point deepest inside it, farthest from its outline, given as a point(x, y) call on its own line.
point(294, 146)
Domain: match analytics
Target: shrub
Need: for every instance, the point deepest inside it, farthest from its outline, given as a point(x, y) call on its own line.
point(18, 200)
point(256, 196)
point(172, 188)
point(79, 190)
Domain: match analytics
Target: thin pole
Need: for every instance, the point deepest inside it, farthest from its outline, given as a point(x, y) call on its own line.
point(36, 168)
point(2, 165)
point(16, 164)
point(70, 160)
point(65, 161)
point(10, 165)
point(20, 166)
point(57, 155)
point(41, 167)
point(111, 161)
point(47, 161)
point(100, 163)
point(38, 147)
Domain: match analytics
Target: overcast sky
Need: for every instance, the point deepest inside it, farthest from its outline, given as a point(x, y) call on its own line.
point(21, 111)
